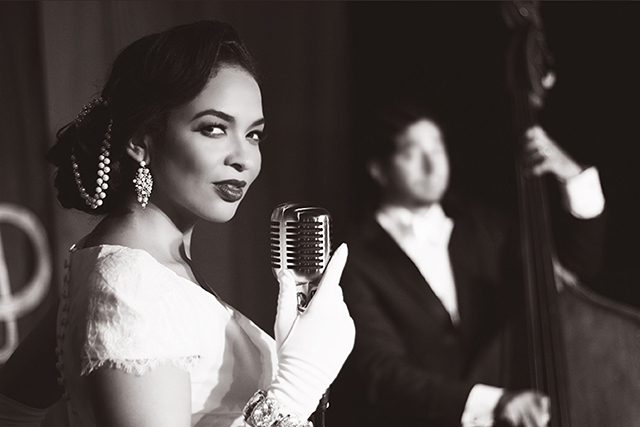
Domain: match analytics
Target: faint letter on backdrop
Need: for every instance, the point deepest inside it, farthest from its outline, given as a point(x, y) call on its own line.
point(28, 296)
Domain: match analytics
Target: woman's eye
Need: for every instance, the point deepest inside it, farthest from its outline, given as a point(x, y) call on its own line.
point(213, 130)
point(256, 136)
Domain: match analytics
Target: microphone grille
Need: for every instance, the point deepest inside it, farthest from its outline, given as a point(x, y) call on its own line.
point(300, 240)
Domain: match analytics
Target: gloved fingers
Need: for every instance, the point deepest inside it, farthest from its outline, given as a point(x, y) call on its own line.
point(287, 308)
point(329, 286)
point(318, 343)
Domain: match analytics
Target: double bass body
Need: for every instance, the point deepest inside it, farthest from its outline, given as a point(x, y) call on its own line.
point(584, 349)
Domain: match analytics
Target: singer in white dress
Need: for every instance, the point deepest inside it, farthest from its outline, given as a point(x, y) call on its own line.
point(131, 312)
point(174, 137)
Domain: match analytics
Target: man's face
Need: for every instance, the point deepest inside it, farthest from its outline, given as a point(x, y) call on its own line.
point(418, 171)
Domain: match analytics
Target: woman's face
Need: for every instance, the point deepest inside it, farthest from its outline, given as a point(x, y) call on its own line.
point(418, 171)
point(210, 152)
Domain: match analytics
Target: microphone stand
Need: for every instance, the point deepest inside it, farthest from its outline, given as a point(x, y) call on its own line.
point(317, 418)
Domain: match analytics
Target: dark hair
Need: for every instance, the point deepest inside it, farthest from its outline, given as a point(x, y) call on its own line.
point(388, 122)
point(378, 129)
point(148, 79)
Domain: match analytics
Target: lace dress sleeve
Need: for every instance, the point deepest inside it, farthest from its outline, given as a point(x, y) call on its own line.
point(137, 316)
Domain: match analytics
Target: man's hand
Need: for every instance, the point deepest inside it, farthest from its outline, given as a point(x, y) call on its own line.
point(522, 409)
point(546, 156)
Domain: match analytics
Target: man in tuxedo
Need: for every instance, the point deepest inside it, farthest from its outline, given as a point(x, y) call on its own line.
point(434, 285)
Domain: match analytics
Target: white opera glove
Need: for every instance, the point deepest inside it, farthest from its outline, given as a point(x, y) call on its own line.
point(312, 346)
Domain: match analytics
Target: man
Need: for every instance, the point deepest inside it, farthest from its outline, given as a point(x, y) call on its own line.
point(434, 285)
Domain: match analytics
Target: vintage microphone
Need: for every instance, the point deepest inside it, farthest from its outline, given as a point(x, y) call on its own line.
point(301, 243)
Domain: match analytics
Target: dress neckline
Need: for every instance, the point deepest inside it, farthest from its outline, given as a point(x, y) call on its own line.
point(79, 247)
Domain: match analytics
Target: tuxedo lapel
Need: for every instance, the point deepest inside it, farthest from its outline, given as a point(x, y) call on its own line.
point(464, 254)
point(459, 253)
point(404, 273)
point(462, 257)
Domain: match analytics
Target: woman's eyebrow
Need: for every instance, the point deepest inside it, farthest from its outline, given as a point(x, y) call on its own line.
point(216, 113)
point(224, 116)
point(258, 122)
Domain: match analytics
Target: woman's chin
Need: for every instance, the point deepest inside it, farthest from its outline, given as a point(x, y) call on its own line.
point(221, 214)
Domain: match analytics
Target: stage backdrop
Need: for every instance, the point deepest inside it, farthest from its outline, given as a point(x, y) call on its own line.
point(26, 224)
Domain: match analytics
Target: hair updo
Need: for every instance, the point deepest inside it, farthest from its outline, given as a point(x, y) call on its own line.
point(148, 79)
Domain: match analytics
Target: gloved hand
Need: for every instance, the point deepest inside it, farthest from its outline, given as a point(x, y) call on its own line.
point(312, 346)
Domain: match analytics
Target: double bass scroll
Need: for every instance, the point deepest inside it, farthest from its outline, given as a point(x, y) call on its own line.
point(584, 348)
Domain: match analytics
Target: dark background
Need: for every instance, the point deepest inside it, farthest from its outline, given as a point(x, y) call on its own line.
point(450, 56)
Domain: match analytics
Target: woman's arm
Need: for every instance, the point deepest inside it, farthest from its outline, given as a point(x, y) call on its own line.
point(160, 397)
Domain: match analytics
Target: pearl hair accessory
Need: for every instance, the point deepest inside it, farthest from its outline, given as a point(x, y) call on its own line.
point(103, 160)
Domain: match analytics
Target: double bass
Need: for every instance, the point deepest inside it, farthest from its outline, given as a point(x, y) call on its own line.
point(584, 349)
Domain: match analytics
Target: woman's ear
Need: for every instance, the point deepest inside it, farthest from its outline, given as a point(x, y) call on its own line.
point(139, 148)
point(377, 173)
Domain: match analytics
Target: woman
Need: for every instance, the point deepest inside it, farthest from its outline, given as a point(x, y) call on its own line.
point(141, 340)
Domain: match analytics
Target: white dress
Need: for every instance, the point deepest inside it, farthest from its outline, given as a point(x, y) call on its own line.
point(121, 307)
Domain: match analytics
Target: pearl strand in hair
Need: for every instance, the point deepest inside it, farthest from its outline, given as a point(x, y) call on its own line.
point(103, 160)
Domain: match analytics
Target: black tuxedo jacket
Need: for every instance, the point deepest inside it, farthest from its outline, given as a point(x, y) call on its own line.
point(411, 365)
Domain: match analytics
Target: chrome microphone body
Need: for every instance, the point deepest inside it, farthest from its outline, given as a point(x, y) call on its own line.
point(301, 243)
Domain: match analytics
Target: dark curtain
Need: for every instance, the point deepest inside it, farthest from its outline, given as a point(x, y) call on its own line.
point(450, 56)
point(26, 226)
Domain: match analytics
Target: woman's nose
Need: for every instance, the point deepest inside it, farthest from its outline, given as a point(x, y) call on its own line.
point(242, 154)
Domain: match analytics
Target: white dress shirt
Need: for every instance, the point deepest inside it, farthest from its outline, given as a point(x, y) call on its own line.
point(424, 237)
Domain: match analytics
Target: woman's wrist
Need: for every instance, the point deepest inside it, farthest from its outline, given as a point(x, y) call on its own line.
point(263, 410)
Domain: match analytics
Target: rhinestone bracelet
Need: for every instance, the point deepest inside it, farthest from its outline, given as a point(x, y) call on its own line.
point(264, 411)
